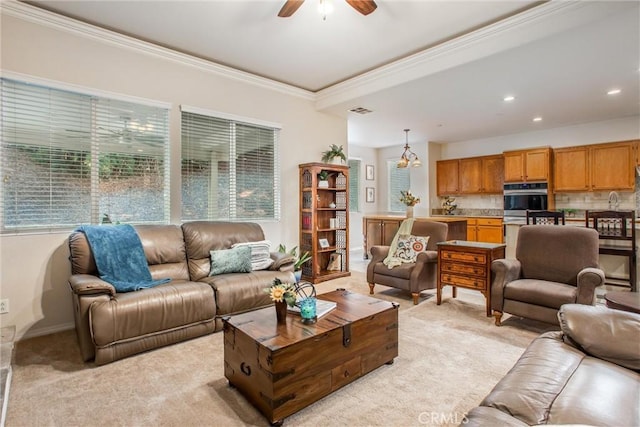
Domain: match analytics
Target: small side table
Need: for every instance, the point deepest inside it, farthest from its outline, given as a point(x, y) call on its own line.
point(626, 301)
point(467, 265)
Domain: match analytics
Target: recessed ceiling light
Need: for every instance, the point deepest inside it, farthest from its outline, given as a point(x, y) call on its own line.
point(508, 98)
point(614, 92)
point(537, 119)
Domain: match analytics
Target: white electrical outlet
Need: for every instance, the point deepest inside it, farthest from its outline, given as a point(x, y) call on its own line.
point(4, 306)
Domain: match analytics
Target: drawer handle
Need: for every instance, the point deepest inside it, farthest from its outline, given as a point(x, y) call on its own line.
point(475, 258)
point(346, 374)
point(246, 369)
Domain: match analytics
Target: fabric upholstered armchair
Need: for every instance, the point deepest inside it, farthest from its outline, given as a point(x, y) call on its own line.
point(413, 277)
point(553, 266)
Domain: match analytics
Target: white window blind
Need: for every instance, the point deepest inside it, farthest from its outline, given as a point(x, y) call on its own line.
point(399, 180)
point(354, 185)
point(229, 169)
point(68, 159)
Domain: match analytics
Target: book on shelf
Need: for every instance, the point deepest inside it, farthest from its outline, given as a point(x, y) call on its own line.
point(322, 308)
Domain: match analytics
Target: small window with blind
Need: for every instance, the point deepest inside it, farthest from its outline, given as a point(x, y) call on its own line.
point(229, 167)
point(354, 185)
point(69, 158)
point(399, 180)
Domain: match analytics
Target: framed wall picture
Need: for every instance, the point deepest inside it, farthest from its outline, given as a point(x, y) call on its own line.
point(371, 194)
point(369, 173)
point(335, 262)
point(324, 243)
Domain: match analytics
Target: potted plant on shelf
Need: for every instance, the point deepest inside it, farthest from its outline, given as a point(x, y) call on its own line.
point(323, 179)
point(333, 153)
point(299, 261)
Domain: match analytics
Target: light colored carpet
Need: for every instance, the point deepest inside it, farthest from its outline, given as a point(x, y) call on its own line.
point(450, 357)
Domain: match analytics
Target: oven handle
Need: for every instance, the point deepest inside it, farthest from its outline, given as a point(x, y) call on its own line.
point(525, 192)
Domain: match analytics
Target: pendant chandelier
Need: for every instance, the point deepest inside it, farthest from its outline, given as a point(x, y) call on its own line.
point(408, 158)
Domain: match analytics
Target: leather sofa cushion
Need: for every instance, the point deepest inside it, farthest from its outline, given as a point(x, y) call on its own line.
point(601, 332)
point(132, 315)
point(236, 293)
point(540, 292)
point(163, 247)
point(201, 237)
point(555, 383)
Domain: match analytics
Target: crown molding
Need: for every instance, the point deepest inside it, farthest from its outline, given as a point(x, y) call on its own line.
point(535, 23)
point(39, 16)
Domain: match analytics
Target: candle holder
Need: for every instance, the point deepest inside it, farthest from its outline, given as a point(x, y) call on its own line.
point(308, 310)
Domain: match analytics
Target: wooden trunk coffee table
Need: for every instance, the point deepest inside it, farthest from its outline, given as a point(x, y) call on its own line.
point(281, 369)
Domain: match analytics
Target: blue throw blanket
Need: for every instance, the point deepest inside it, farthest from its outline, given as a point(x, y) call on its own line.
point(119, 256)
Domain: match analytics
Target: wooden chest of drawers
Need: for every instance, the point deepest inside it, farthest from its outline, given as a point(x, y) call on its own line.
point(467, 265)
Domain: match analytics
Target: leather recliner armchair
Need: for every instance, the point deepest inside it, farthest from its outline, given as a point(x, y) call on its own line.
point(554, 265)
point(413, 277)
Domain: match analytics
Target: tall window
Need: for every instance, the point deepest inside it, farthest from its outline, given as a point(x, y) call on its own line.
point(399, 180)
point(69, 158)
point(229, 168)
point(354, 185)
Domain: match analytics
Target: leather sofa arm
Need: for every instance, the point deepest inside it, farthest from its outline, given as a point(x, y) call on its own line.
point(86, 284)
point(588, 280)
point(601, 332)
point(504, 270)
point(282, 261)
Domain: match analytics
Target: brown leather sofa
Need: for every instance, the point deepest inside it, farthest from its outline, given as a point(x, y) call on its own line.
point(586, 374)
point(112, 325)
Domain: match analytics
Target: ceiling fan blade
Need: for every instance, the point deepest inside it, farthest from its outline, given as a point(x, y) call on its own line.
point(290, 8)
point(365, 7)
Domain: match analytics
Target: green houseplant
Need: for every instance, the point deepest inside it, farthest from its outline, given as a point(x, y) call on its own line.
point(334, 152)
point(323, 179)
point(299, 260)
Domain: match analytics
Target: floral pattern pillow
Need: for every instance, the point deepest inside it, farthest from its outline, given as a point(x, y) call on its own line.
point(409, 247)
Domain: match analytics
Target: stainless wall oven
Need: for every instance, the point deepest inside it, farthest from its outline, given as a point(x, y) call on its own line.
point(520, 197)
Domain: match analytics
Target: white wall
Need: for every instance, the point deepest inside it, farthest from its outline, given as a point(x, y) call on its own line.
point(34, 268)
point(582, 134)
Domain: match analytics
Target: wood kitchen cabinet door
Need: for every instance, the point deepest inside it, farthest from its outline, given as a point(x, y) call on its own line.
point(612, 167)
point(493, 174)
point(527, 165)
point(447, 177)
point(537, 165)
point(489, 230)
point(571, 169)
point(514, 166)
point(379, 232)
point(470, 175)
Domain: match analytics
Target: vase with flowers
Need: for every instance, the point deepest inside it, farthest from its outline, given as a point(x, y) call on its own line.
point(410, 201)
point(283, 295)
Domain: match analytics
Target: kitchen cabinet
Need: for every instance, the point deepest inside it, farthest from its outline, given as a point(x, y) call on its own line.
point(447, 177)
point(473, 175)
point(324, 222)
point(600, 167)
point(379, 231)
point(485, 230)
point(527, 165)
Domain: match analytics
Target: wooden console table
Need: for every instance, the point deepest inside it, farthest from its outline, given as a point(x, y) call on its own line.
point(467, 265)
